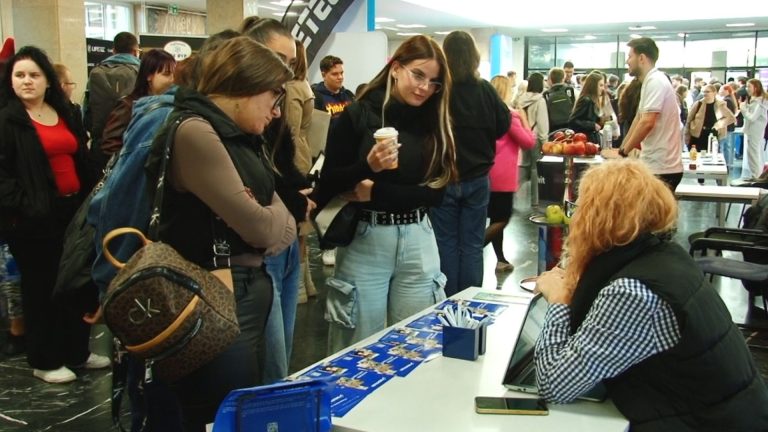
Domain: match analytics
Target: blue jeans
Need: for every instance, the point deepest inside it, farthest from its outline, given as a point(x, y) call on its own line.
point(387, 273)
point(460, 232)
point(284, 270)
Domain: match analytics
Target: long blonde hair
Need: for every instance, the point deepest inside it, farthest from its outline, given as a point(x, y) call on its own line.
point(607, 216)
point(441, 148)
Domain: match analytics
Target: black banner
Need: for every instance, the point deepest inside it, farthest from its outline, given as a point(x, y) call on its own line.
point(96, 51)
point(311, 23)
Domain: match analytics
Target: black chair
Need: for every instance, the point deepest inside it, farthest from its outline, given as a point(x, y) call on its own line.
point(752, 269)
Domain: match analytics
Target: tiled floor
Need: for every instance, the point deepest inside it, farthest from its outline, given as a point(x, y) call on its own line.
point(28, 404)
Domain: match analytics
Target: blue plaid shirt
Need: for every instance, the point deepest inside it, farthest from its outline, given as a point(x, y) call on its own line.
point(626, 324)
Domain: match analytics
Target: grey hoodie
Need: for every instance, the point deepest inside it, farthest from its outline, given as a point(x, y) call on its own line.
point(536, 108)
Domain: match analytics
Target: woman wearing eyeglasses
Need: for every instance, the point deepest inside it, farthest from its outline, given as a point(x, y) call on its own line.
point(68, 87)
point(707, 114)
point(217, 168)
point(391, 269)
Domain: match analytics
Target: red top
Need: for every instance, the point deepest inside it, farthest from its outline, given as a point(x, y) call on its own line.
point(60, 145)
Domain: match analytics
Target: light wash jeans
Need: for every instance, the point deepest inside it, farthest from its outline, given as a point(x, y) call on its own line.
point(386, 274)
point(284, 270)
point(460, 232)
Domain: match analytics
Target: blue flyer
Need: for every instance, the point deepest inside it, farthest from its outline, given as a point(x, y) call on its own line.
point(428, 322)
point(389, 358)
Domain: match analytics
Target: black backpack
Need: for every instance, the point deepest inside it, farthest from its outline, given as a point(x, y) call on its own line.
point(560, 99)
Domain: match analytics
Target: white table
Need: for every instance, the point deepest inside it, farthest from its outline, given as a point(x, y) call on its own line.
point(719, 195)
point(439, 395)
point(711, 167)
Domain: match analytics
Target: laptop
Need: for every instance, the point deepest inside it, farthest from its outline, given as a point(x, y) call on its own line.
point(521, 370)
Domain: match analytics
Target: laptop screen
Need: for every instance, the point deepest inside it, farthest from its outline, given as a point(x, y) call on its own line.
point(522, 354)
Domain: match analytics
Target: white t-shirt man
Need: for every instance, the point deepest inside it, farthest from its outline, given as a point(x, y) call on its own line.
point(661, 149)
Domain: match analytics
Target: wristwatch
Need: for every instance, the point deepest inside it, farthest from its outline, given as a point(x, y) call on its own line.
point(621, 152)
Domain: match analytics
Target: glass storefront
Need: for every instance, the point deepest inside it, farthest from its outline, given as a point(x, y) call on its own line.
point(722, 55)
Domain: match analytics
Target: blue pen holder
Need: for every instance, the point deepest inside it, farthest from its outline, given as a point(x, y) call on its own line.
point(464, 343)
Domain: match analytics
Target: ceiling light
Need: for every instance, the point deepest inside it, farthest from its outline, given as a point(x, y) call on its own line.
point(681, 35)
point(442, 32)
point(641, 27)
point(635, 36)
point(410, 26)
point(590, 37)
point(554, 30)
point(408, 34)
point(740, 25)
point(383, 19)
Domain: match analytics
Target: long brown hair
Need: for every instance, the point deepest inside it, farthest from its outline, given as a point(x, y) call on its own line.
point(590, 89)
point(606, 217)
point(442, 165)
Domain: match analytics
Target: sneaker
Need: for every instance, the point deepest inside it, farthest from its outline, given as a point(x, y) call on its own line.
point(503, 266)
point(96, 361)
point(329, 257)
point(56, 376)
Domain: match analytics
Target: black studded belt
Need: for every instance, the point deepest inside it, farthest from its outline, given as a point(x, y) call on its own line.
point(393, 218)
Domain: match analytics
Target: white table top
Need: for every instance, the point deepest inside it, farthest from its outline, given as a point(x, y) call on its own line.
point(584, 160)
point(439, 395)
point(718, 193)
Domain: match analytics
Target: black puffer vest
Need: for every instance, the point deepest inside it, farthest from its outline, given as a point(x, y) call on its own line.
point(708, 381)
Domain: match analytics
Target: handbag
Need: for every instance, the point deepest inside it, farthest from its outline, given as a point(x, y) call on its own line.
point(336, 223)
point(163, 309)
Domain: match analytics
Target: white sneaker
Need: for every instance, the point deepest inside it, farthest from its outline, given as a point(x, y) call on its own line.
point(96, 361)
point(56, 376)
point(329, 257)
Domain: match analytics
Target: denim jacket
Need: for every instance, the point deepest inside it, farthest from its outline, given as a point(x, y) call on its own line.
point(123, 200)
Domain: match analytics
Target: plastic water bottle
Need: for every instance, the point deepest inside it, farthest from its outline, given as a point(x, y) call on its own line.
point(715, 148)
point(709, 142)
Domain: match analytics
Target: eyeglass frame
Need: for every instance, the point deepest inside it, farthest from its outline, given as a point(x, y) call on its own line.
point(280, 97)
point(420, 80)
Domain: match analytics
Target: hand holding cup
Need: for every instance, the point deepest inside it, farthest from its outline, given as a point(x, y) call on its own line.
point(384, 154)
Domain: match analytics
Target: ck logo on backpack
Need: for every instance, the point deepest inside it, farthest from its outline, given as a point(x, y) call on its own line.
point(142, 311)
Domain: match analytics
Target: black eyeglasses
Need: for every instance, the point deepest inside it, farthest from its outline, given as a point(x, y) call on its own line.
point(280, 97)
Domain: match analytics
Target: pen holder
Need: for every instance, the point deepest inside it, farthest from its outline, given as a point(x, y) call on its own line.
point(464, 343)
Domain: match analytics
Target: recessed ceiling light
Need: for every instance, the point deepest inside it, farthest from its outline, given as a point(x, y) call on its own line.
point(554, 30)
point(681, 35)
point(740, 25)
point(410, 26)
point(590, 37)
point(383, 19)
point(635, 36)
point(408, 34)
point(641, 27)
point(442, 32)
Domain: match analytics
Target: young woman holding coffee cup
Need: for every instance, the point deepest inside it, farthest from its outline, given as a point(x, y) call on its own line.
point(392, 268)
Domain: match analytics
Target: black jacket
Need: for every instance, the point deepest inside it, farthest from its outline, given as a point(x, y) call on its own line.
point(27, 187)
point(708, 381)
point(479, 118)
point(346, 164)
point(584, 117)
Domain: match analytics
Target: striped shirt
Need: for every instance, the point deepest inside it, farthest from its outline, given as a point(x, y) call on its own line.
point(626, 324)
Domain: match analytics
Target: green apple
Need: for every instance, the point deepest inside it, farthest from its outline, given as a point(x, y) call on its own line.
point(554, 214)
